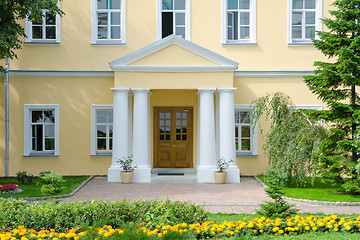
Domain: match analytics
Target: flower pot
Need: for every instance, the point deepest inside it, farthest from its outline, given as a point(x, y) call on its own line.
point(126, 177)
point(220, 177)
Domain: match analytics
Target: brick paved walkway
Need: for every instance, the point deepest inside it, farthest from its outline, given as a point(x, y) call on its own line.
point(243, 197)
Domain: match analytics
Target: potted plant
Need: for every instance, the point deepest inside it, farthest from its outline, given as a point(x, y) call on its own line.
point(127, 172)
point(220, 175)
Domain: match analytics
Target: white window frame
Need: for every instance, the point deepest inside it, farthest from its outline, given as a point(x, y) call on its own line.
point(311, 107)
point(252, 35)
point(253, 133)
point(318, 24)
point(187, 19)
point(94, 26)
point(28, 108)
point(29, 36)
point(94, 151)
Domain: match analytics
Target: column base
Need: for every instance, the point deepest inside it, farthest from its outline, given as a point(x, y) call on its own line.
point(114, 174)
point(205, 174)
point(233, 174)
point(142, 174)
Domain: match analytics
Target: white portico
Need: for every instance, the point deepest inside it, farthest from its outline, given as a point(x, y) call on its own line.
point(189, 116)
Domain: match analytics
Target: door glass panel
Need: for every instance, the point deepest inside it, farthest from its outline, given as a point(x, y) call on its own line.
point(162, 115)
point(178, 130)
point(167, 136)
point(184, 129)
point(183, 137)
point(167, 115)
point(178, 123)
point(161, 129)
point(167, 122)
point(162, 122)
point(184, 122)
point(184, 115)
point(161, 136)
point(178, 115)
point(167, 130)
point(178, 136)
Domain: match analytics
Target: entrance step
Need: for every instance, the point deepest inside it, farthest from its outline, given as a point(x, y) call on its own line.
point(180, 175)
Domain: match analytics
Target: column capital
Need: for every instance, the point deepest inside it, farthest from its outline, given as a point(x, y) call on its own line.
point(140, 90)
point(206, 90)
point(120, 89)
point(220, 90)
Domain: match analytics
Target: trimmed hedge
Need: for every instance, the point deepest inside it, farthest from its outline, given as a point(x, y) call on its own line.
point(66, 215)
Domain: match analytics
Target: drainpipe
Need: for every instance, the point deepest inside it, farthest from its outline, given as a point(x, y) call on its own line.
point(7, 118)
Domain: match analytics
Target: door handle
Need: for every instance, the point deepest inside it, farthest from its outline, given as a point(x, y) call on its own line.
point(174, 142)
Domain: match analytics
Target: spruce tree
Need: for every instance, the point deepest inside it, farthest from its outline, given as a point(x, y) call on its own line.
point(337, 83)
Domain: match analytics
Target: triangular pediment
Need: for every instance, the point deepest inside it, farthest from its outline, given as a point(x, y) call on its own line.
point(173, 54)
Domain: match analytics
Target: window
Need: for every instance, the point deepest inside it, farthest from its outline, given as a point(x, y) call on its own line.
point(41, 125)
point(46, 31)
point(174, 18)
point(304, 19)
point(108, 22)
point(245, 135)
point(102, 130)
point(239, 22)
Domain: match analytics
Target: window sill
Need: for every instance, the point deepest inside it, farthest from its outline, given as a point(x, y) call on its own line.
point(246, 155)
point(109, 43)
point(240, 44)
point(300, 44)
point(102, 155)
point(36, 155)
point(42, 43)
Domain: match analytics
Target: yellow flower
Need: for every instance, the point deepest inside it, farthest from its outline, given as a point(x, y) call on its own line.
point(184, 225)
point(336, 229)
point(307, 228)
point(281, 231)
point(315, 228)
point(160, 235)
point(348, 227)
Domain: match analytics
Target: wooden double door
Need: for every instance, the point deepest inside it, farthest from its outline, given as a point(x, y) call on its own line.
point(173, 137)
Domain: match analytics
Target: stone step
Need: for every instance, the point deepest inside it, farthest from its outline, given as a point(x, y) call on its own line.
point(174, 170)
point(174, 178)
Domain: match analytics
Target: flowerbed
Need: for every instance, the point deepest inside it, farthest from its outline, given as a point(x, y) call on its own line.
point(255, 227)
point(9, 188)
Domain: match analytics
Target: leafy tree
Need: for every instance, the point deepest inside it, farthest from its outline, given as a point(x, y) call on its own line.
point(11, 12)
point(291, 139)
point(336, 83)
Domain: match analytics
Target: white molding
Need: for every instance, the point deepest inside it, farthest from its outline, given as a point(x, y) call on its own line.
point(312, 107)
point(59, 73)
point(94, 108)
point(272, 73)
point(133, 68)
point(253, 131)
point(27, 129)
point(178, 41)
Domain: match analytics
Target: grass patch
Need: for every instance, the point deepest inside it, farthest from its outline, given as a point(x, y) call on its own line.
point(317, 190)
point(33, 189)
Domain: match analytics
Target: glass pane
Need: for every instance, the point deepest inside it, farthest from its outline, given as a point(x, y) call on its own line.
point(162, 137)
point(33, 132)
point(180, 18)
point(296, 18)
point(50, 32)
point(178, 123)
point(245, 18)
point(49, 116)
point(37, 32)
point(167, 122)
point(237, 117)
point(167, 4)
point(162, 129)
point(102, 4)
point(50, 131)
point(39, 138)
point(37, 117)
point(110, 116)
point(101, 144)
point(101, 131)
point(101, 116)
point(180, 4)
point(184, 122)
point(184, 115)
point(110, 143)
point(178, 130)
point(244, 4)
point(115, 18)
point(167, 24)
point(167, 115)
point(178, 115)
point(167, 136)
point(162, 115)
point(180, 31)
point(244, 32)
point(167, 130)
point(245, 131)
point(310, 32)
point(244, 117)
point(236, 131)
point(310, 18)
point(102, 18)
point(310, 4)
point(184, 129)
point(296, 32)
point(230, 19)
point(184, 137)
point(110, 131)
point(298, 4)
point(102, 32)
point(232, 4)
point(162, 122)
point(33, 146)
point(230, 33)
point(236, 144)
point(49, 143)
point(245, 144)
point(115, 32)
point(178, 136)
point(50, 19)
point(115, 4)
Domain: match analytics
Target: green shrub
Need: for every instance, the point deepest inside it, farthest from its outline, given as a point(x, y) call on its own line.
point(24, 178)
point(53, 183)
point(66, 215)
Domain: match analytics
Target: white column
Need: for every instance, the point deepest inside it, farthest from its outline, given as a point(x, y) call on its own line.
point(217, 125)
point(120, 131)
point(206, 147)
point(141, 145)
point(227, 132)
point(130, 103)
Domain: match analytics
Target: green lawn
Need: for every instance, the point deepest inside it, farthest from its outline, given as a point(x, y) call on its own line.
point(33, 190)
point(317, 191)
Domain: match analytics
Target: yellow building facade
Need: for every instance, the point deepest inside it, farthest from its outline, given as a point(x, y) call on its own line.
point(169, 82)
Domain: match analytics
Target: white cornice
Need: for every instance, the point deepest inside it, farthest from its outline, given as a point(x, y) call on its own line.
point(59, 73)
point(272, 73)
point(134, 68)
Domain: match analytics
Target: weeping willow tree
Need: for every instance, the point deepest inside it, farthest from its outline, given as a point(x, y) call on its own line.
point(291, 140)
